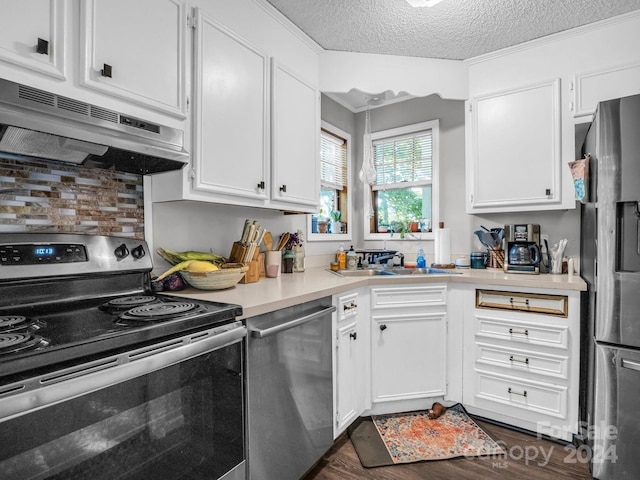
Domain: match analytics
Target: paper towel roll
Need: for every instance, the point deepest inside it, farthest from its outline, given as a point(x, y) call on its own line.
point(442, 246)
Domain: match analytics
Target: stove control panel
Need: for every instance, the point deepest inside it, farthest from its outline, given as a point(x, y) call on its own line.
point(37, 254)
point(45, 255)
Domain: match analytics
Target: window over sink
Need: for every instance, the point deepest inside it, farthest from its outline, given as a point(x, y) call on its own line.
point(404, 195)
point(333, 220)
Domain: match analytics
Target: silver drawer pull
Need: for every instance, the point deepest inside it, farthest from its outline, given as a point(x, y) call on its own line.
point(519, 332)
point(512, 359)
point(523, 394)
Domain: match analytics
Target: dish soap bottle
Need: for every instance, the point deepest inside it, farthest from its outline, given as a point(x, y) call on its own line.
point(420, 261)
point(352, 259)
point(341, 257)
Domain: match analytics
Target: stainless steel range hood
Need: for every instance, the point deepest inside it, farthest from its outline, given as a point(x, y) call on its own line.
point(35, 123)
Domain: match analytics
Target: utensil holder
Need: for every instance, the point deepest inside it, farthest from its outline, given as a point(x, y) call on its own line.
point(496, 258)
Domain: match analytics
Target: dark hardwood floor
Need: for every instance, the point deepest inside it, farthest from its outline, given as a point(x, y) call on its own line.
point(527, 458)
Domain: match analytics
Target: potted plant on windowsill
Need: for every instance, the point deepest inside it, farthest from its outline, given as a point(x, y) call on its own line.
point(336, 224)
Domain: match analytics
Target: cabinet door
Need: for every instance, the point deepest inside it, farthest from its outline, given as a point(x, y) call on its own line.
point(32, 35)
point(136, 51)
point(515, 157)
point(347, 373)
point(295, 133)
point(408, 356)
point(230, 113)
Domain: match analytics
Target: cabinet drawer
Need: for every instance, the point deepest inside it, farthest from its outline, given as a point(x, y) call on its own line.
point(546, 399)
point(419, 296)
point(347, 306)
point(524, 302)
point(522, 362)
point(523, 332)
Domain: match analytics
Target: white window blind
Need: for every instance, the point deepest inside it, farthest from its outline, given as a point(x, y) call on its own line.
point(404, 161)
point(333, 161)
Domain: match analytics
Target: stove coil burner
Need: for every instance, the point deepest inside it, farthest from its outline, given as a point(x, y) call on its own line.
point(18, 341)
point(125, 303)
point(12, 323)
point(160, 311)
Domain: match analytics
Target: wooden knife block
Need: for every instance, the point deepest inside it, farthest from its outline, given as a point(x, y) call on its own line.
point(237, 253)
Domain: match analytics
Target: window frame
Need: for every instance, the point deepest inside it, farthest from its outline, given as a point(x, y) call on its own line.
point(434, 125)
point(338, 237)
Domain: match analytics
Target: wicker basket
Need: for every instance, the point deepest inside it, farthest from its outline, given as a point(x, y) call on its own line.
point(226, 277)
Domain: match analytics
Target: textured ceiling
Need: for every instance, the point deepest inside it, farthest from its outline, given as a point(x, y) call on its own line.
point(453, 29)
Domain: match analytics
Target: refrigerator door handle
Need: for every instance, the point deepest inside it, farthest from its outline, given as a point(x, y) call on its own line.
point(630, 364)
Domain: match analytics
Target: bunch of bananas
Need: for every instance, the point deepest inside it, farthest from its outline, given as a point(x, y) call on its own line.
point(190, 261)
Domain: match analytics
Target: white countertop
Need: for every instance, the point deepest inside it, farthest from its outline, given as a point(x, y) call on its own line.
point(271, 294)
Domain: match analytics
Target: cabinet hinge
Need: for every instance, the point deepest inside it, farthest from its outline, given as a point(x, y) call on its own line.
point(191, 19)
point(192, 173)
point(188, 100)
point(470, 107)
point(571, 86)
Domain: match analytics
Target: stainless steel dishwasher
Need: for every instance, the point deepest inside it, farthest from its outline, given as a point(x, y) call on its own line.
point(289, 390)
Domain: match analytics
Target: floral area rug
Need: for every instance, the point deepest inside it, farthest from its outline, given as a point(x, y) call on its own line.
point(413, 437)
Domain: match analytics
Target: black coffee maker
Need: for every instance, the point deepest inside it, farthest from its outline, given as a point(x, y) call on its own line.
point(522, 248)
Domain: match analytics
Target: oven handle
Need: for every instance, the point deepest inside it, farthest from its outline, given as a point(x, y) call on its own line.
point(256, 332)
point(44, 390)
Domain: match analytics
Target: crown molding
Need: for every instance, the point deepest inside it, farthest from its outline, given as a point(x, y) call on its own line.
point(289, 25)
point(553, 38)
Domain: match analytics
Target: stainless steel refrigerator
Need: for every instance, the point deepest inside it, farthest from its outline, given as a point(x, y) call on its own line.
point(610, 263)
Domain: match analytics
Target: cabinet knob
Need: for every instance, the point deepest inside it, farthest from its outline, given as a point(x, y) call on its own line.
point(383, 327)
point(547, 192)
point(261, 185)
point(43, 46)
point(353, 336)
point(283, 188)
point(106, 70)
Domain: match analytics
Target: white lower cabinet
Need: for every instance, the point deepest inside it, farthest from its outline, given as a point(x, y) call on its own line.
point(408, 347)
point(350, 337)
point(520, 362)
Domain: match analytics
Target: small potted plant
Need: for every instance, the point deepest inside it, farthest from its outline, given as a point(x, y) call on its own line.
point(321, 222)
point(336, 224)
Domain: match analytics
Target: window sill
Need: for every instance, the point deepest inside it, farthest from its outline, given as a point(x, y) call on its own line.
point(409, 236)
point(329, 237)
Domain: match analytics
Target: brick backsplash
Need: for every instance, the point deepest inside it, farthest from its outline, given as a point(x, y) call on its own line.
point(55, 197)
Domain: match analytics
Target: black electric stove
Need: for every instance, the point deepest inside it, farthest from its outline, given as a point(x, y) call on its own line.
point(71, 298)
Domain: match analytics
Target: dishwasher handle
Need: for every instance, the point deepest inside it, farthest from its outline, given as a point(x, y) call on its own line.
point(286, 324)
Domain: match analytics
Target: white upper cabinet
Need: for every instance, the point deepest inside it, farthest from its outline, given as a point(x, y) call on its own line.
point(231, 112)
point(255, 119)
point(514, 149)
point(33, 34)
point(136, 51)
point(295, 134)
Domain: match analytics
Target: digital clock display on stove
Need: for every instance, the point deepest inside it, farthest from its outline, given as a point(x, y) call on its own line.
point(39, 254)
point(44, 251)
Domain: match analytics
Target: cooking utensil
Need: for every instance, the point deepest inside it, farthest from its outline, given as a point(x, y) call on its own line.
point(268, 241)
point(283, 240)
point(486, 239)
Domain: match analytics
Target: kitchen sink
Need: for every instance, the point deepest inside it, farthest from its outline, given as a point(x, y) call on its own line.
point(364, 272)
point(419, 271)
point(391, 271)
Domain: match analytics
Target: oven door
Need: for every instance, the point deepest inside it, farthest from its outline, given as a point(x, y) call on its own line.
point(170, 410)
